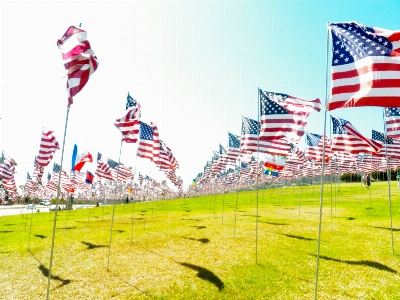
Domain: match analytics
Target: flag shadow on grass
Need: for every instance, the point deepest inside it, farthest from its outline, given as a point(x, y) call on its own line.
point(367, 263)
point(203, 240)
point(92, 246)
point(199, 227)
point(45, 273)
point(40, 236)
point(205, 274)
point(5, 231)
point(272, 223)
point(297, 237)
point(190, 219)
point(387, 228)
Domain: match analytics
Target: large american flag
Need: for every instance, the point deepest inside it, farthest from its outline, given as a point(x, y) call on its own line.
point(346, 138)
point(315, 147)
point(365, 66)
point(129, 123)
point(48, 145)
point(392, 146)
point(79, 60)
point(149, 142)
point(284, 116)
point(392, 119)
point(249, 140)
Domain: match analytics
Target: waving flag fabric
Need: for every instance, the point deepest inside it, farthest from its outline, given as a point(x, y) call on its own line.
point(129, 123)
point(81, 160)
point(103, 170)
point(365, 66)
point(48, 145)
point(315, 147)
point(89, 177)
point(149, 142)
point(346, 138)
point(7, 168)
point(166, 159)
point(79, 60)
point(392, 119)
point(38, 172)
point(284, 116)
point(392, 146)
point(249, 140)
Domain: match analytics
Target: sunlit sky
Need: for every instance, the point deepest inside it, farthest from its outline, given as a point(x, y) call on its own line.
point(194, 66)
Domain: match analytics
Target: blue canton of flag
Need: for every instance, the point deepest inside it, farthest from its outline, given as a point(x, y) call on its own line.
point(56, 168)
point(130, 101)
point(146, 132)
point(353, 41)
point(250, 126)
point(111, 163)
point(313, 139)
point(338, 126)
point(379, 136)
point(48, 176)
point(99, 155)
point(28, 176)
point(234, 141)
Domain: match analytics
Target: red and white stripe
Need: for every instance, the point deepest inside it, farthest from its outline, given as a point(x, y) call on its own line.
point(48, 145)
point(129, 124)
point(80, 60)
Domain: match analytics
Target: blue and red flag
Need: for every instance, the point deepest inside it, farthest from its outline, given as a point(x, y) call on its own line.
point(89, 177)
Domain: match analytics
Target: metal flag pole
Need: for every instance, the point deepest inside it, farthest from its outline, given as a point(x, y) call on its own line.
point(56, 208)
point(257, 169)
point(389, 173)
point(113, 210)
point(323, 170)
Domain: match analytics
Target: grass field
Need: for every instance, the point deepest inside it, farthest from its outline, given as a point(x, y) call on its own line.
point(205, 248)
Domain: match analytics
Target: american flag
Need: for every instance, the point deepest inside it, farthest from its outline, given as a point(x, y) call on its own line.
point(140, 178)
point(284, 116)
point(79, 60)
point(38, 172)
point(48, 145)
point(296, 154)
point(99, 155)
point(103, 169)
point(315, 146)
point(392, 119)
point(166, 159)
point(7, 167)
point(365, 66)
point(346, 138)
point(249, 140)
point(233, 148)
point(392, 146)
point(149, 142)
point(129, 123)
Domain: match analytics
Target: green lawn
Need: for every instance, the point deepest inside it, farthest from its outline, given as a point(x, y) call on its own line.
point(203, 248)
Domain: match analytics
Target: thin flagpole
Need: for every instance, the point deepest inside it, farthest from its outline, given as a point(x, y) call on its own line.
point(323, 170)
point(113, 210)
point(388, 180)
point(257, 175)
point(56, 208)
point(237, 196)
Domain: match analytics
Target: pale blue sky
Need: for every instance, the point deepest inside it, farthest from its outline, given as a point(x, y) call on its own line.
point(194, 66)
